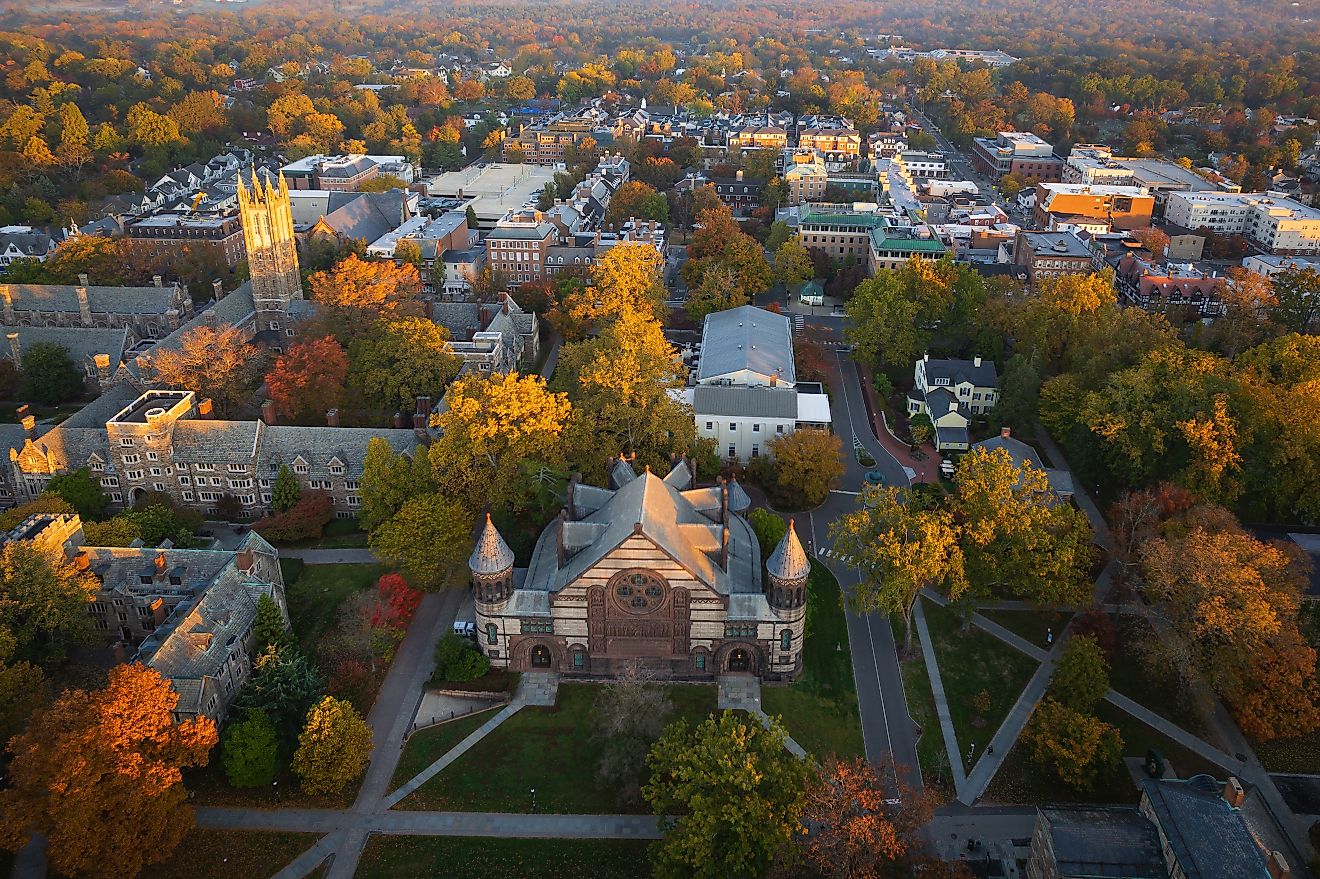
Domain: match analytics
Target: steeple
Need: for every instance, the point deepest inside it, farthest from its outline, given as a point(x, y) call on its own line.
point(272, 250)
point(739, 500)
point(788, 564)
point(491, 555)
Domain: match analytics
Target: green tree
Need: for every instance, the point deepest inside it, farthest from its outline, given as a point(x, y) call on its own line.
point(389, 480)
point(738, 792)
point(779, 233)
point(429, 563)
point(284, 685)
point(1297, 298)
point(921, 428)
point(897, 313)
point(719, 290)
point(44, 599)
point(334, 747)
point(49, 375)
point(793, 265)
point(250, 751)
point(81, 490)
point(400, 360)
point(900, 548)
point(20, 688)
point(287, 491)
point(270, 628)
point(1081, 678)
point(1019, 396)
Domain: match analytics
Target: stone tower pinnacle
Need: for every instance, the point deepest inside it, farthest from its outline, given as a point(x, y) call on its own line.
point(272, 251)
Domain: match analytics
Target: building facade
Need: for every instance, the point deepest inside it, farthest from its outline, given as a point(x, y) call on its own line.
point(951, 393)
point(1016, 152)
point(1051, 255)
point(272, 250)
point(1280, 225)
point(1114, 208)
point(163, 239)
point(649, 571)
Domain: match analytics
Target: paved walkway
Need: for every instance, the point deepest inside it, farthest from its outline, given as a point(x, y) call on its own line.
point(951, 746)
point(348, 555)
point(495, 824)
point(743, 693)
point(451, 755)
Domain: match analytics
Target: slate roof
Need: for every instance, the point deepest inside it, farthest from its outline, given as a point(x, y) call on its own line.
point(63, 298)
point(31, 244)
point(958, 371)
point(462, 319)
point(667, 518)
point(205, 441)
point(764, 402)
point(491, 555)
point(82, 343)
point(789, 560)
point(368, 216)
point(1098, 842)
point(282, 443)
point(232, 310)
point(1208, 838)
point(747, 338)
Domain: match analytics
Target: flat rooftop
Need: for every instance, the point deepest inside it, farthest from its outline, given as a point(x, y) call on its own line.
point(493, 190)
point(136, 412)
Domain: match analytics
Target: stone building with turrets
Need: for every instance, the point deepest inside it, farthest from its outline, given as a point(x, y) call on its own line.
point(272, 250)
point(651, 570)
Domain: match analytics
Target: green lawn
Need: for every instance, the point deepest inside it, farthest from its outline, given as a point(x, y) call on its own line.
point(970, 662)
point(1028, 624)
point(1020, 780)
point(231, 854)
point(316, 591)
point(1301, 754)
point(820, 708)
point(931, 754)
point(338, 534)
point(1162, 693)
point(461, 857)
point(550, 749)
point(429, 745)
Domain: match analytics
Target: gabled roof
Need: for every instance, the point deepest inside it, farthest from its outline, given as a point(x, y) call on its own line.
point(957, 371)
point(1208, 838)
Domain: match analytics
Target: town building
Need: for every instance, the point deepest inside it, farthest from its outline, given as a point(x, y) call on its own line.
point(1094, 164)
point(1050, 255)
point(652, 571)
point(24, 242)
point(97, 352)
point(1162, 286)
point(1278, 224)
point(549, 143)
point(885, 144)
point(1109, 208)
point(739, 194)
point(344, 173)
point(490, 337)
point(757, 137)
point(1094, 841)
point(493, 190)
point(867, 236)
point(1269, 266)
point(951, 393)
point(167, 238)
point(837, 145)
point(805, 177)
point(145, 312)
point(919, 165)
point(1016, 152)
point(187, 613)
point(518, 245)
point(272, 251)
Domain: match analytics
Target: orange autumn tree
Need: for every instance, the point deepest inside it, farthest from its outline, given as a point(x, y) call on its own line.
point(864, 826)
point(308, 379)
point(356, 292)
point(99, 774)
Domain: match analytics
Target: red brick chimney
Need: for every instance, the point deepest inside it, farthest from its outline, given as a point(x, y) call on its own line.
point(1277, 866)
point(1005, 432)
point(1234, 795)
point(244, 560)
point(332, 418)
point(268, 411)
point(158, 611)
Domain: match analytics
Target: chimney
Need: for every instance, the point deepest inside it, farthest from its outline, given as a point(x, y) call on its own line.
point(926, 357)
point(15, 349)
point(84, 306)
point(738, 175)
point(268, 411)
point(83, 281)
point(332, 418)
point(157, 281)
point(217, 290)
point(30, 426)
point(976, 361)
point(559, 536)
point(160, 561)
point(570, 493)
point(1005, 432)
point(724, 500)
point(399, 421)
point(158, 612)
point(1277, 866)
point(724, 548)
point(419, 425)
point(7, 295)
point(1234, 795)
point(103, 375)
point(426, 406)
point(205, 408)
point(774, 380)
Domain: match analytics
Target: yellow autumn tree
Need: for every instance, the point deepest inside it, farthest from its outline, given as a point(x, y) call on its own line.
point(1076, 746)
point(625, 279)
point(99, 775)
point(495, 428)
point(334, 747)
point(1215, 465)
point(215, 362)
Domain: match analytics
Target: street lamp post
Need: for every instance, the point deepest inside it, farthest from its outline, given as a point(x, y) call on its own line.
point(533, 793)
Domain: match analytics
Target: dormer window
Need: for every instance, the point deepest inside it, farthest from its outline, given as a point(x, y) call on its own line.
point(300, 467)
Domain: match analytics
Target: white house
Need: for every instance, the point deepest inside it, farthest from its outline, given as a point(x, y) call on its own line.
point(746, 346)
point(951, 393)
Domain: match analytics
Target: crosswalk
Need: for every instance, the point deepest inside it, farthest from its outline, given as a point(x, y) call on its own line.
point(825, 552)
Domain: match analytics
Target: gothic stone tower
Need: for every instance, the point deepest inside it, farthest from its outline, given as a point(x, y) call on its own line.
point(272, 251)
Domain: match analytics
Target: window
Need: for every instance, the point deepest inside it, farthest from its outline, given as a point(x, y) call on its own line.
point(733, 450)
point(579, 658)
point(155, 471)
point(188, 495)
point(733, 425)
point(740, 630)
point(185, 480)
point(710, 425)
point(786, 640)
point(756, 451)
point(132, 459)
point(152, 456)
point(300, 468)
point(133, 474)
point(158, 486)
point(779, 428)
point(337, 469)
point(117, 497)
point(700, 661)
point(756, 428)
point(492, 634)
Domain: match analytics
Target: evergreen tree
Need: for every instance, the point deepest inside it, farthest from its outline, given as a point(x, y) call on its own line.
point(250, 749)
point(270, 628)
point(287, 491)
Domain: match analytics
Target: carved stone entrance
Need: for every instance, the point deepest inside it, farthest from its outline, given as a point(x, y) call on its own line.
point(638, 615)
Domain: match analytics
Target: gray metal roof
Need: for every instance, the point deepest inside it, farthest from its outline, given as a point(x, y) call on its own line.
point(1208, 838)
point(63, 298)
point(725, 400)
point(491, 555)
point(747, 338)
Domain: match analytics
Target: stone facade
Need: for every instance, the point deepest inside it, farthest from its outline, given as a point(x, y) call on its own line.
point(272, 250)
point(146, 312)
point(651, 570)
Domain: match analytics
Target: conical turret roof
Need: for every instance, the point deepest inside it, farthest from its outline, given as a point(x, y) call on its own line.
point(789, 560)
point(491, 555)
point(739, 500)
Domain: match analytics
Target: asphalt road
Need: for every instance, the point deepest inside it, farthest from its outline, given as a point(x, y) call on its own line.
point(887, 728)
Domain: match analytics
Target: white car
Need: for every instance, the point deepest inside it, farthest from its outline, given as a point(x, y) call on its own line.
point(465, 628)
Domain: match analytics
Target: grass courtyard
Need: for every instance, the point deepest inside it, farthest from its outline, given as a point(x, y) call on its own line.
point(429, 745)
point(550, 749)
point(820, 708)
point(1030, 625)
point(973, 662)
point(231, 854)
point(931, 754)
point(314, 593)
point(462, 857)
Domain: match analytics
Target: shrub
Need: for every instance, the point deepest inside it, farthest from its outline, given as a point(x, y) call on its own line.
point(769, 528)
point(306, 520)
point(250, 749)
point(459, 660)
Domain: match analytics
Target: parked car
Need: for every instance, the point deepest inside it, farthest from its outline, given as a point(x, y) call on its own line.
point(465, 628)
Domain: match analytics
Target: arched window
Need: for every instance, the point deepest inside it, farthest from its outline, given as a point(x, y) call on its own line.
point(786, 640)
point(492, 634)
